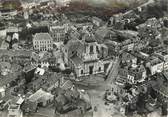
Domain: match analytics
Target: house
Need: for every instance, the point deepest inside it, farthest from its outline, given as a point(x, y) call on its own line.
point(45, 58)
point(28, 73)
point(155, 65)
point(97, 21)
point(84, 25)
point(16, 56)
point(58, 32)
point(47, 82)
point(124, 41)
point(4, 13)
point(7, 80)
point(14, 111)
point(5, 68)
point(4, 45)
point(54, 80)
point(132, 74)
point(43, 42)
point(67, 85)
point(164, 57)
point(12, 29)
point(29, 107)
point(117, 21)
point(136, 74)
point(41, 97)
point(104, 33)
point(127, 57)
point(160, 90)
point(82, 56)
point(2, 92)
point(62, 2)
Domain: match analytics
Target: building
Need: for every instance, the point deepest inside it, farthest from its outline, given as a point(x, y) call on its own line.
point(131, 74)
point(4, 13)
point(155, 65)
point(14, 111)
point(164, 57)
point(124, 41)
point(164, 3)
point(83, 56)
point(62, 2)
point(97, 21)
point(28, 73)
point(41, 97)
point(127, 57)
point(58, 32)
point(136, 74)
point(16, 56)
point(43, 42)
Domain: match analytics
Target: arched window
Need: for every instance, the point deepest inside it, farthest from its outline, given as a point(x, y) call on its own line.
point(81, 71)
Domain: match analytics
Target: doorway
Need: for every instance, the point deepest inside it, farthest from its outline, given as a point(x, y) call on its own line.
point(90, 69)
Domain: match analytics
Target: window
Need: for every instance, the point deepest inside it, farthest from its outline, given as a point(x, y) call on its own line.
point(99, 69)
point(81, 71)
point(91, 49)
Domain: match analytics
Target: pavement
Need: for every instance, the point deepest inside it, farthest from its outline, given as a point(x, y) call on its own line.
point(3, 113)
point(97, 95)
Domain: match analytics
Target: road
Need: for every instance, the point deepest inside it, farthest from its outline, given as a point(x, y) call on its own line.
point(97, 94)
point(141, 6)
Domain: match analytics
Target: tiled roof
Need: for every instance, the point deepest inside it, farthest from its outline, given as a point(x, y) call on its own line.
point(4, 80)
point(67, 85)
point(42, 36)
point(39, 94)
point(15, 52)
point(76, 60)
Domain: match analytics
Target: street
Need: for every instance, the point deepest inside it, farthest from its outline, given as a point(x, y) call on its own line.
point(97, 94)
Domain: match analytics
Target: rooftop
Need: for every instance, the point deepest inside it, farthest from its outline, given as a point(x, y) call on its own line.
point(14, 107)
point(42, 36)
point(4, 80)
point(76, 60)
point(163, 89)
point(15, 52)
point(155, 60)
point(39, 94)
point(89, 38)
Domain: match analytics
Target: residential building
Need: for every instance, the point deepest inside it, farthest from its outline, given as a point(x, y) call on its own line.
point(131, 74)
point(29, 107)
point(47, 81)
point(155, 65)
point(12, 29)
point(164, 4)
point(127, 57)
point(41, 98)
point(83, 57)
point(58, 32)
point(136, 74)
point(43, 42)
point(2, 92)
point(14, 111)
point(164, 57)
point(97, 21)
point(16, 56)
point(63, 2)
point(104, 33)
point(7, 13)
point(124, 41)
point(28, 73)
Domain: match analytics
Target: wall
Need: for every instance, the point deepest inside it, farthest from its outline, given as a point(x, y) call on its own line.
point(157, 68)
